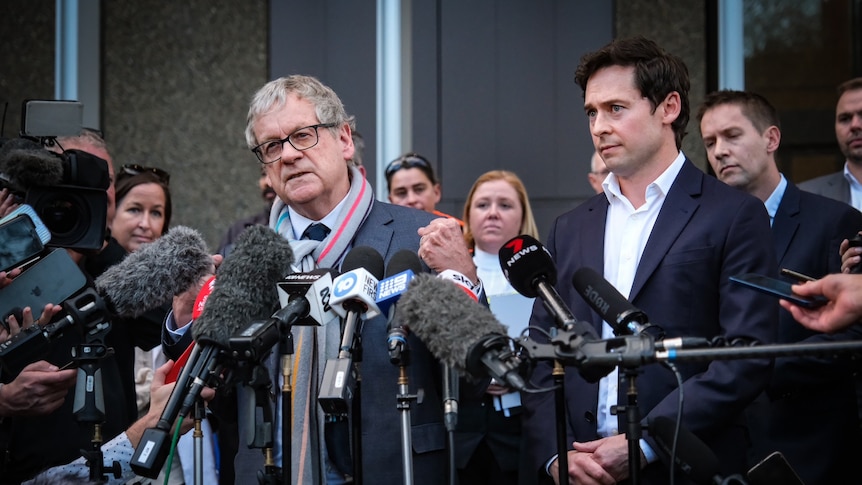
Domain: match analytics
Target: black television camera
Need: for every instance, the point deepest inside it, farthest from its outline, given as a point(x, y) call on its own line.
point(67, 190)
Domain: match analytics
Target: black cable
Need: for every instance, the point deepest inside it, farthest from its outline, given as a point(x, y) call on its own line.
point(673, 448)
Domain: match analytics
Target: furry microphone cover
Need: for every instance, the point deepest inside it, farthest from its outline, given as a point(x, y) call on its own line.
point(154, 274)
point(445, 318)
point(25, 163)
point(246, 285)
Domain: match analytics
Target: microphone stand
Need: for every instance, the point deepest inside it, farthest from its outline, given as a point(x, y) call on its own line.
point(260, 383)
point(559, 374)
point(451, 379)
point(87, 311)
point(399, 354)
point(629, 352)
point(200, 412)
point(285, 347)
point(633, 429)
point(351, 349)
point(404, 398)
point(356, 413)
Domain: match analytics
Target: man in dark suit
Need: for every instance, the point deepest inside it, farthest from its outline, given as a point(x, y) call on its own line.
point(741, 133)
point(300, 132)
point(845, 185)
point(668, 237)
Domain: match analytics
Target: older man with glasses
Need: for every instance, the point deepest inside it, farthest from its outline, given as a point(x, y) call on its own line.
point(298, 129)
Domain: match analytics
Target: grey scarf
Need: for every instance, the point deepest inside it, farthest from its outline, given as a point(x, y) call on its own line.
point(314, 345)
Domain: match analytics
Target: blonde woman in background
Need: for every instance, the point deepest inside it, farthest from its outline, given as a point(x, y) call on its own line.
point(488, 437)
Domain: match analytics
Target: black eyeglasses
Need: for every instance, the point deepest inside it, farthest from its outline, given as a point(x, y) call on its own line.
point(301, 139)
point(131, 169)
point(410, 160)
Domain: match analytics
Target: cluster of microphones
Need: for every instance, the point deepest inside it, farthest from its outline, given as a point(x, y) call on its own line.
point(256, 298)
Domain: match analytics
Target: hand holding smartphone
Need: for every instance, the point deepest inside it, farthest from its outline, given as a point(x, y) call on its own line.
point(779, 288)
point(19, 242)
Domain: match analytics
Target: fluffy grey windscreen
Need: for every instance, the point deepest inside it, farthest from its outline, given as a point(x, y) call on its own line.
point(445, 318)
point(154, 274)
point(245, 285)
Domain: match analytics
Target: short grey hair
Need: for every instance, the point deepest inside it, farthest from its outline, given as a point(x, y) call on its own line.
point(327, 105)
point(87, 136)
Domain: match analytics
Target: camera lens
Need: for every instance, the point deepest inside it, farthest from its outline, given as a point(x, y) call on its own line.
point(63, 214)
point(75, 215)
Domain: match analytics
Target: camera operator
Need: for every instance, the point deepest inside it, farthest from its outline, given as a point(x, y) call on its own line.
point(91, 141)
point(29, 444)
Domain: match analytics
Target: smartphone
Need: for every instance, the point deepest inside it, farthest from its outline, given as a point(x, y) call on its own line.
point(797, 276)
point(51, 279)
point(779, 288)
point(29, 211)
point(774, 469)
point(19, 242)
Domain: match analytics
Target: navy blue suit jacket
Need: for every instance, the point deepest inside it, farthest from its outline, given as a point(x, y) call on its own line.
point(810, 412)
point(705, 233)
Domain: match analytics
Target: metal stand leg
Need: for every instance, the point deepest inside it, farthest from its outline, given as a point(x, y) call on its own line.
point(559, 374)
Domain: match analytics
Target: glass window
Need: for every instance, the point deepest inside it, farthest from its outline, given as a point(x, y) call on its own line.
point(796, 53)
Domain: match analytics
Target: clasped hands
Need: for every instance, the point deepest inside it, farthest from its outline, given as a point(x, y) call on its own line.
point(600, 462)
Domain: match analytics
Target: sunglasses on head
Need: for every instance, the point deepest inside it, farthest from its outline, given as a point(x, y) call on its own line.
point(411, 160)
point(135, 169)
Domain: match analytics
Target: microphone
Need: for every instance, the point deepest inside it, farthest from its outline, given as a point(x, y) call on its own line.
point(154, 274)
point(530, 270)
point(609, 303)
point(26, 163)
point(356, 288)
point(693, 456)
point(316, 288)
point(245, 289)
point(305, 301)
point(143, 280)
point(460, 333)
point(528, 266)
point(354, 291)
point(402, 268)
point(353, 298)
point(623, 317)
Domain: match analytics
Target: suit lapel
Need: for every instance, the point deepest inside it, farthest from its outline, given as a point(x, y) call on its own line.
point(593, 242)
point(678, 208)
point(786, 221)
point(376, 231)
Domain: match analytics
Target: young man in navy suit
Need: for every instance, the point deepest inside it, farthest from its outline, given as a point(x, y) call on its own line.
point(741, 133)
point(668, 237)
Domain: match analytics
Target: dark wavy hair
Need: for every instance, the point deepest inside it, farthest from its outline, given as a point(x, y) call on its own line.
point(657, 73)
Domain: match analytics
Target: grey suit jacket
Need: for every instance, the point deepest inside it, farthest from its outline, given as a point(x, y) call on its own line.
point(834, 186)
